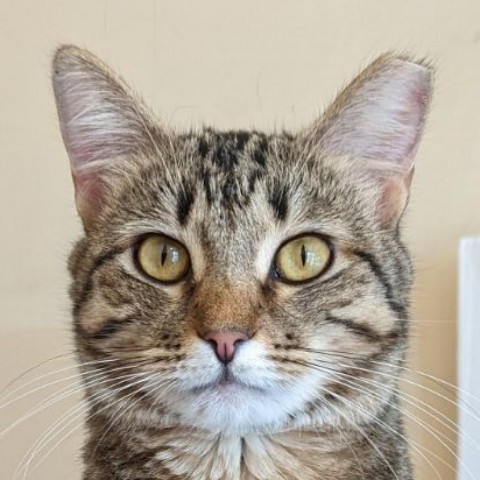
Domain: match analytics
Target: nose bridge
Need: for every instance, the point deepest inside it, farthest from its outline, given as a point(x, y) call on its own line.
point(221, 306)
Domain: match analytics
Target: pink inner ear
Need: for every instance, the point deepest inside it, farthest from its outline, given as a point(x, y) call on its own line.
point(397, 141)
point(89, 195)
point(380, 119)
point(418, 100)
point(394, 198)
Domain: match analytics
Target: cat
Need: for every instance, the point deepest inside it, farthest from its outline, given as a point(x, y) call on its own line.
point(241, 299)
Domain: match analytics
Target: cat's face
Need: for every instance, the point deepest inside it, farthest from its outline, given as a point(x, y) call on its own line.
point(237, 281)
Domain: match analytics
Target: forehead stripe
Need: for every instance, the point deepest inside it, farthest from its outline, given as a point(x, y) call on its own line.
point(278, 200)
point(184, 204)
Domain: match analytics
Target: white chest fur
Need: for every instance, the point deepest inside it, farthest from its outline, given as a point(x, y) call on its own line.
point(288, 455)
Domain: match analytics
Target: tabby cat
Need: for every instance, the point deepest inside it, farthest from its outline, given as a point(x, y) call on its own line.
point(240, 299)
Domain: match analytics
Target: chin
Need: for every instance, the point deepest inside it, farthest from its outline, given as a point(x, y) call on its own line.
point(236, 408)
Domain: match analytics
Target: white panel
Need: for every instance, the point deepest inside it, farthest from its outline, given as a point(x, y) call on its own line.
point(469, 357)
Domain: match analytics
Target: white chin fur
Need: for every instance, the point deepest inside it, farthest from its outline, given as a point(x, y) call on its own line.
point(262, 401)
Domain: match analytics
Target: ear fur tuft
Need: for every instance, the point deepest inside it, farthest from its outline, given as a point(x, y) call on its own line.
point(100, 119)
point(377, 122)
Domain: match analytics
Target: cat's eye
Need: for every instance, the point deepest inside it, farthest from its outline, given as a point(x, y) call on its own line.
point(162, 258)
point(303, 258)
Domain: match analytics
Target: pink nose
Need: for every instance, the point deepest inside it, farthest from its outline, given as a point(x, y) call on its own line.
point(225, 343)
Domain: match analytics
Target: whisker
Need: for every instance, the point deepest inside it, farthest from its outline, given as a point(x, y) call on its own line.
point(384, 425)
point(77, 365)
point(55, 398)
point(342, 434)
point(414, 402)
point(30, 369)
point(465, 406)
point(425, 375)
point(76, 413)
point(439, 436)
point(434, 432)
point(415, 445)
point(364, 435)
point(41, 387)
point(94, 402)
point(116, 417)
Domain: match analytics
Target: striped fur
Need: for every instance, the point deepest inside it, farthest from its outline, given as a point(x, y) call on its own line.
point(314, 391)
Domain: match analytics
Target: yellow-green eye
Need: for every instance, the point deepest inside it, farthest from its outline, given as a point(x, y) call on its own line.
point(303, 258)
point(162, 258)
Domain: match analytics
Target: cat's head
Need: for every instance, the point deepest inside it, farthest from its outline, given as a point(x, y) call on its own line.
point(241, 280)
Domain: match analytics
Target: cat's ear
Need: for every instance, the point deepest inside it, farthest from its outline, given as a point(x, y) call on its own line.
point(377, 123)
point(102, 123)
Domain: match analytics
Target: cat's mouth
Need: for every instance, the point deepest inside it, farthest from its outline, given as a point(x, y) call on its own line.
point(227, 382)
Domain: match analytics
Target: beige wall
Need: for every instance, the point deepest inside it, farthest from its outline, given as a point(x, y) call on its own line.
point(264, 63)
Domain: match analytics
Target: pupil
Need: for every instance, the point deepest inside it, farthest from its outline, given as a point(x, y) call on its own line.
point(164, 254)
point(304, 255)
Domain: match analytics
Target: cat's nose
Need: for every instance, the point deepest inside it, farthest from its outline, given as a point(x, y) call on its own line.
point(225, 344)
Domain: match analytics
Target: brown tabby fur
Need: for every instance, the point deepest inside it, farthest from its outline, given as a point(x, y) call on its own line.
point(316, 393)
